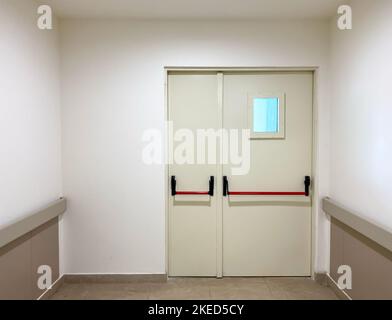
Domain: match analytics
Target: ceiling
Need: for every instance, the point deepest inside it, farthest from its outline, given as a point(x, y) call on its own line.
point(195, 9)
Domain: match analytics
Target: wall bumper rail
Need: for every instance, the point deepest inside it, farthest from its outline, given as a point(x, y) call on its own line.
point(226, 191)
point(174, 192)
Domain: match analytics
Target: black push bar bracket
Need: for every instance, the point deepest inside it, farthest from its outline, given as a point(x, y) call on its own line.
point(211, 184)
point(307, 186)
point(225, 186)
point(173, 184)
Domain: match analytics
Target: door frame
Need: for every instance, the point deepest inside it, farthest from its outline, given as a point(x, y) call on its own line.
point(315, 160)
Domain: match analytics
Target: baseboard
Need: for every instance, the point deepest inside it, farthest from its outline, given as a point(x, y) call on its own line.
point(325, 279)
point(342, 295)
point(52, 290)
point(114, 278)
point(321, 279)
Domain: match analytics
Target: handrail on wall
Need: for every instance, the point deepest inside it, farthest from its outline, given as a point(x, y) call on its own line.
point(14, 230)
point(370, 229)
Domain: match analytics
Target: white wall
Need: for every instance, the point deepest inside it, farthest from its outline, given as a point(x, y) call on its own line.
point(30, 144)
point(112, 82)
point(113, 89)
point(361, 141)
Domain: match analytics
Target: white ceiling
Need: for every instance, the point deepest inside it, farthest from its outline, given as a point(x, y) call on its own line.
point(195, 9)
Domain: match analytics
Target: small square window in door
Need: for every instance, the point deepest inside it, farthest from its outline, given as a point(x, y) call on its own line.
point(266, 115)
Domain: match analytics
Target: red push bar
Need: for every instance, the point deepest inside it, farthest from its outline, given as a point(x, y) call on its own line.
point(192, 192)
point(226, 191)
point(174, 192)
point(251, 193)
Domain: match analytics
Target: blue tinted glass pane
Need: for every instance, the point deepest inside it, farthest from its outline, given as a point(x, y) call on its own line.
point(266, 115)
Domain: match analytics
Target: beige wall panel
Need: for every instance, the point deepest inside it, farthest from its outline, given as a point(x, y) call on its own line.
point(45, 251)
point(337, 236)
point(15, 270)
point(20, 259)
point(371, 264)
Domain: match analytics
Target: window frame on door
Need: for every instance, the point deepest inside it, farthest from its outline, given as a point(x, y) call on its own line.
point(281, 133)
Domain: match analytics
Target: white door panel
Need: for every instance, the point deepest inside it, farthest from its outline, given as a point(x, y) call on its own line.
point(193, 104)
point(260, 235)
point(270, 235)
point(266, 240)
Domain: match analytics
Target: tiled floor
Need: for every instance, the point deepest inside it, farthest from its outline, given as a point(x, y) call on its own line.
point(201, 288)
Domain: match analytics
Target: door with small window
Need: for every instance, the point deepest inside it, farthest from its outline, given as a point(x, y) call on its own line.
point(257, 221)
point(267, 211)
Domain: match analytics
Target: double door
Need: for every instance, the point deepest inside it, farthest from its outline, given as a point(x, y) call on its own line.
point(240, 151)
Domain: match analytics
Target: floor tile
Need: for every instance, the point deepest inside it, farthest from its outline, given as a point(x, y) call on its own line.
point(200, 289)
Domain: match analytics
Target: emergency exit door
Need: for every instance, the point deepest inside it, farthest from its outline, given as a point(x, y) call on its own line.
point(255, 221)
